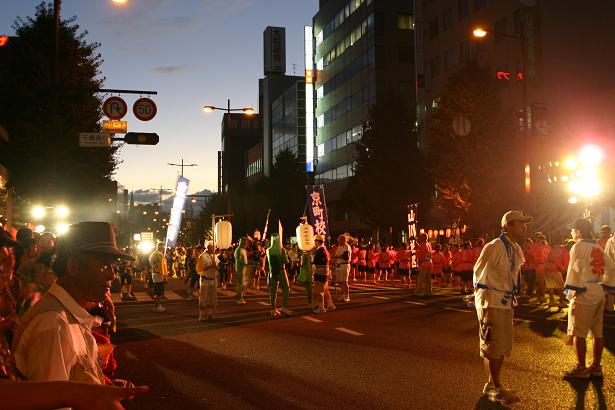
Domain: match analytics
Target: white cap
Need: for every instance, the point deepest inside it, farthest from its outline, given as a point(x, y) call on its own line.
point(512, 216)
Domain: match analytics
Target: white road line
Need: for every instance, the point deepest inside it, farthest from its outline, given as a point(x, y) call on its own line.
point(263, 303)
point(381, 297)
point(458, 310)
point(348, 331)
point(412, 302)
point(311, 319)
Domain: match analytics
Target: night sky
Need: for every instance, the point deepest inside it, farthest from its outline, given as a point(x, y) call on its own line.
point(193, 52)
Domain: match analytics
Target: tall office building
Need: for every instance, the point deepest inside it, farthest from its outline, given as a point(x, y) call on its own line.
point(362, 51)
point(281, 103)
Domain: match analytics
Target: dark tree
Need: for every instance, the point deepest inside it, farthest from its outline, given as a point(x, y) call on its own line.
point(478, 176)
point(390, 172)
point(27, 100)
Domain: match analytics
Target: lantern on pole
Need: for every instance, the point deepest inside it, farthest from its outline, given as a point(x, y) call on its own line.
point(422, 231)
point(305, 235)
point(441, 232)
point(430, 234)
point(223, 234)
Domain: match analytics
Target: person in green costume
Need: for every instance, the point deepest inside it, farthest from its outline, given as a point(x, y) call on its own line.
point(241, 265)
point(276, 256)
point(305, 276)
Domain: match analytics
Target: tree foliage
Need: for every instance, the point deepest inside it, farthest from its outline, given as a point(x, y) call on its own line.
point(478, 176)
point(29, 93)
point(391, 172)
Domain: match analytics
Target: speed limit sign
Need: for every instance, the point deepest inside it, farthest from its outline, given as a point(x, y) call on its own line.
point(144, 109)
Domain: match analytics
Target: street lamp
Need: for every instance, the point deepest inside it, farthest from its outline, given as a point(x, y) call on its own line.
point(479, 33)
point(182, 165)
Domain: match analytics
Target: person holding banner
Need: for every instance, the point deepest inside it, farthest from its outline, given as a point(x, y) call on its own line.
point(276, 257)
point(207, 268)
point(321, 276)
point(241, 266)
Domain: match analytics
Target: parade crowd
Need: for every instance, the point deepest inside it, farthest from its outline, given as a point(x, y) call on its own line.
point(57, 317)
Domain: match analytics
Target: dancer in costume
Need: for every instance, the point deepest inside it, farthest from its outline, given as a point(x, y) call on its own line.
point(276, 256)
point(305, 276)
point(241, 265)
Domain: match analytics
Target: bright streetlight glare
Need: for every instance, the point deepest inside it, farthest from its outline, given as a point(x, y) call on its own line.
point(61, 211)
point(62, 228)
point(208, 108)
point(248, 110)
point(146, 247)
point(479, 32)
point(38, 212)
point(39, 228)
point(591, 155)
point(570, 163)
point(119, 2)
point(573, 200)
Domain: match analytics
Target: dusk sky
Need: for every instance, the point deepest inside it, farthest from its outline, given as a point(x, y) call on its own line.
point(193, 52)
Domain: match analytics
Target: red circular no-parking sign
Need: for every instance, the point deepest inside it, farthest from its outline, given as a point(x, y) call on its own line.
point(144, 109)
point(115, 108)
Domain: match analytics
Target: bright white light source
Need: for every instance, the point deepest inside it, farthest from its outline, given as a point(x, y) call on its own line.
point(39, 228)
point(146, 246)
point(591, 155)
point(38, 212)
point(61, 211)
point(570, 163)
point(590, 188)
point(573, 200)
point(62, 228)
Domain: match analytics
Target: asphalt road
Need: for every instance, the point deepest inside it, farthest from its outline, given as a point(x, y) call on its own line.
point(386, 349)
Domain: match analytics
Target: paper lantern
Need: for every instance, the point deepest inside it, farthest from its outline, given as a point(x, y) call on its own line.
point(464, 229)
point(305, 237)
point(441, 232)
point(435, 233)
point(448, 232)
point(422, 231)
point(430, 234)
point(223, 234)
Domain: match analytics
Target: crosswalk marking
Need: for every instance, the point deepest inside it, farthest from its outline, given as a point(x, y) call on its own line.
point(348, 331)
point(311, 319)
point(458, 310)
point(413, 302)
point(381, 297)
point(263, 303)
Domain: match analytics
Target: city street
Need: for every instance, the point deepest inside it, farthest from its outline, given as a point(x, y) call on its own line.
point(386, 349)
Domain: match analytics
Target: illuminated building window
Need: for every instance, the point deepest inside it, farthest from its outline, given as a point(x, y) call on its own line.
point(405, 22)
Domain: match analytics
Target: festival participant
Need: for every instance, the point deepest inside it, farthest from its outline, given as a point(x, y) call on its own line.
point(306, 276)
point(590, 273)
point(372, 261)
point(405, 264)
point(609, 249)
point(446, 269)
point(321, 276)
point(539, 252)
point(384, 264)
point(276, 257)
point(456, 264)
point(555, 266)
point(192, 275)
point(207, 268)
point(241, 266)
point(224, 267)
point(54, 340)
point(160, 273)
point(423, 257)
point(362, 263)
point(341, 259)
point(605, 234)
point(466, 266)
point(354, 262)
point(126, 269)
point(528, 271)
point(497, 279)
point(438, 261)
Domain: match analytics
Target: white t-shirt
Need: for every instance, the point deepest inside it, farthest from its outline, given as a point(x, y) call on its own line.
point(589, 269)
point(495, 275)
point(339, 254)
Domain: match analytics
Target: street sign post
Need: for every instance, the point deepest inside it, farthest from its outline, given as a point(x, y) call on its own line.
point(115, 108)
point(95, 139)
point(115, 126)
point(144, 109)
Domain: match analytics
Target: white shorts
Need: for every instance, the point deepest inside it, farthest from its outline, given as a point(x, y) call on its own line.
point(495, 331)
point(585, 318)
point(343, 272)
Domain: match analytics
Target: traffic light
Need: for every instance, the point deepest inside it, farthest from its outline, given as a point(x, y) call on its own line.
point(141, 138)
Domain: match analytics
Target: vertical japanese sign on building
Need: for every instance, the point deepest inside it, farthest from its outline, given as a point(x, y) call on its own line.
point(532, 43)
point(317, 210)
point(175, 219)
point(275, 50)
point(309, 99)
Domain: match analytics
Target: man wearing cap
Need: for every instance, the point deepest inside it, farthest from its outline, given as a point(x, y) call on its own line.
point(54, 340)
point(497, 278)
point(590, 273)
point(207, 268)
point(342, 263)
point(160, 271)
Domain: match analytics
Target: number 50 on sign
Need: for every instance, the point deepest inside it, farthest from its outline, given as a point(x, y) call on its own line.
point(144, 109)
